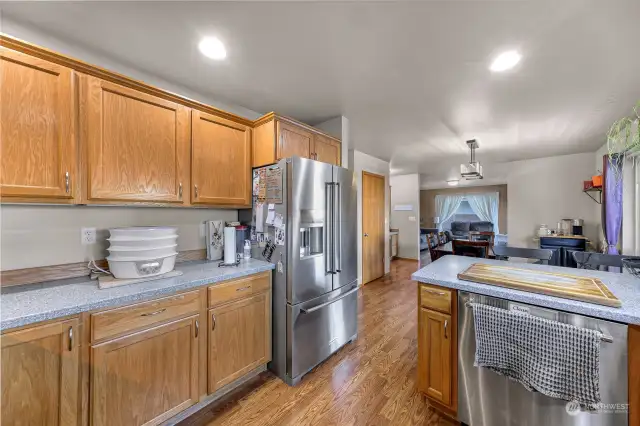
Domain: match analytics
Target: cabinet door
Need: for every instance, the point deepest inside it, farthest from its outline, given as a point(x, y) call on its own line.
point(239, 339)
point(434, 355)
point(137, 145)
point(40, 375)
point(293, 141)
point(220, 161)
point(326, 150)
point(37, 129)
point(145, 377)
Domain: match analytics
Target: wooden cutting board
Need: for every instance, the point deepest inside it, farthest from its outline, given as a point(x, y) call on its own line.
point(585, 289)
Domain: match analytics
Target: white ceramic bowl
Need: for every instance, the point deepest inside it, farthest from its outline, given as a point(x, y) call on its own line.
point(144, 232)
point(116, 252)
point(127, 269)
point(142, 243)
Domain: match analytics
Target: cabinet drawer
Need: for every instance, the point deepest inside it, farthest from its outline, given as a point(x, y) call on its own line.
point(238, 289)
point(436, 298)
point(129, 318)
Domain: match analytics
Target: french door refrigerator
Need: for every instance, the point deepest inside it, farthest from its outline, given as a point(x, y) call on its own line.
point(315, 286)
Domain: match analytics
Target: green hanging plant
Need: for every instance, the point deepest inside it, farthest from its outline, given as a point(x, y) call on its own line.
point(623, 139)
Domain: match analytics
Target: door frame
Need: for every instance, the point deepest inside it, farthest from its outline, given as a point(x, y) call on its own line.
point(384, 185)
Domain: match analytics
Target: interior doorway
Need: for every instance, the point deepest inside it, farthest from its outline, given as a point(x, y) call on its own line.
point(373, 189)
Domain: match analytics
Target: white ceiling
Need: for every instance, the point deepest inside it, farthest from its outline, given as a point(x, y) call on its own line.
point(412, 77)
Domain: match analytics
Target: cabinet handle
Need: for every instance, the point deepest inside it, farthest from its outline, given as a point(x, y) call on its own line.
point(244, 288)
point(196, 190)
point(213, 322)
point(437, 293)
point(197, 328)
point(67, 182)
point(70, 339)
point(446, 323)
point(150, 314)
point(180, 190)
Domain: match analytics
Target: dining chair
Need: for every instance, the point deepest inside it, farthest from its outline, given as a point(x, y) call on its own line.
point(433, 242)
point(600, 261)
point(471, 248)
point(482, 236)
point(542, 256)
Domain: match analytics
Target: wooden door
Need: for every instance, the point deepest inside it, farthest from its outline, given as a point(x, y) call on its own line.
point(434, 355)
point(137, 145)
point(220, 161)
point(373, 234)
point(293, 141)
point(37, 129)
point(40, 375)
point(326, 150)
point(239, 339)
point(145, 377)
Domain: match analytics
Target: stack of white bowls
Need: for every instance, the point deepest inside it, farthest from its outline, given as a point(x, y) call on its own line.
point(142, 251)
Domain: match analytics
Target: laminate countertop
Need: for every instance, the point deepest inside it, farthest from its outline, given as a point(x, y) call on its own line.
point(28, 304)
point(444, 272)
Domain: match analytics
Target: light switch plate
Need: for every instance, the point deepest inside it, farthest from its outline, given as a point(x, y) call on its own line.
point(412, 218)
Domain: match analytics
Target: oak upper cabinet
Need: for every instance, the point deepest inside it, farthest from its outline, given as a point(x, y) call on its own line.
point(239, 338)
point(220, 161)
point(293, 141)
point(40, 375)
point(276, 137)
point(145, 377)
point(38, 158)
point(326, 150)
point(135, 146)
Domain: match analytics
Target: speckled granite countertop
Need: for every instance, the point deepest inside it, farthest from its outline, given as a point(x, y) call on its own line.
point(444, 272)
point(45, 301)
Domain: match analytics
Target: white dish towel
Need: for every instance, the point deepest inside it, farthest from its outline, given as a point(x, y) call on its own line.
point(558, 360)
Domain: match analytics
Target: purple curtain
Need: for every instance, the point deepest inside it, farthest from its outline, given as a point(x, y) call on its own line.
point(612, 202)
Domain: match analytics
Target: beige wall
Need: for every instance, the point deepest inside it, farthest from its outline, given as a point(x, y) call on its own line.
point(405, 190)
point(428, 202)
point(50, 235)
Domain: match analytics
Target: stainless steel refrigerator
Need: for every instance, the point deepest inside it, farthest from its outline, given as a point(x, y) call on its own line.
point(315, 307)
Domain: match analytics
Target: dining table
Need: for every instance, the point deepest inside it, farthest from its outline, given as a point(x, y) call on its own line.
point(447, 248)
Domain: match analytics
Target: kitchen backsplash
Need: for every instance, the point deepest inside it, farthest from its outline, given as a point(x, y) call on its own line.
point(35, 236)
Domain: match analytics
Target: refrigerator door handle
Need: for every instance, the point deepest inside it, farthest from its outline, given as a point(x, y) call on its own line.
point(328, 223)
point(337, 223)
point(322, 305)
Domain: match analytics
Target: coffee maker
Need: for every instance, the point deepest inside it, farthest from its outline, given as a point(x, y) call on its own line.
point(577, 227)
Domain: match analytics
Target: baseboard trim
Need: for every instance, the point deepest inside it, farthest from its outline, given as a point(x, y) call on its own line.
point(210, 399)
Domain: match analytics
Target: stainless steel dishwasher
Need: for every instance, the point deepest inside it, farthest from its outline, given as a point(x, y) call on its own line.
point(489, 399)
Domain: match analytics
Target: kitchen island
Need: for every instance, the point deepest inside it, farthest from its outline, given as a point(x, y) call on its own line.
point(444, 342)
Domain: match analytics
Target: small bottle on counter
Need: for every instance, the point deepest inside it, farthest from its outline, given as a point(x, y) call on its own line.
point(247, 249)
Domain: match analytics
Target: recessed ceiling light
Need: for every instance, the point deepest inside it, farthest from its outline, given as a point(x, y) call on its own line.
point(212, 48)
point(505, 61)
point(453, 182)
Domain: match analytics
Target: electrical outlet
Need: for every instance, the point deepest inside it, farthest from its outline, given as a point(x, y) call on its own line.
point(87, 236)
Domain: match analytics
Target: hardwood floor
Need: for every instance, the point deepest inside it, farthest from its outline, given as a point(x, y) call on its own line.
point(369, 382)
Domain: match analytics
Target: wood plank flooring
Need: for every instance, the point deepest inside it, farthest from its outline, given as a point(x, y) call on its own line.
point(369, 382)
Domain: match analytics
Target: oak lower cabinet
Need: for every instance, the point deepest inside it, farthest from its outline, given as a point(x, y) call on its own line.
point(38, 159)
point(276, 137)
point(135, 145)
point(146, 377)
point(239, 338)
point(40, 375)
point(220, 161)
point(437, 347)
